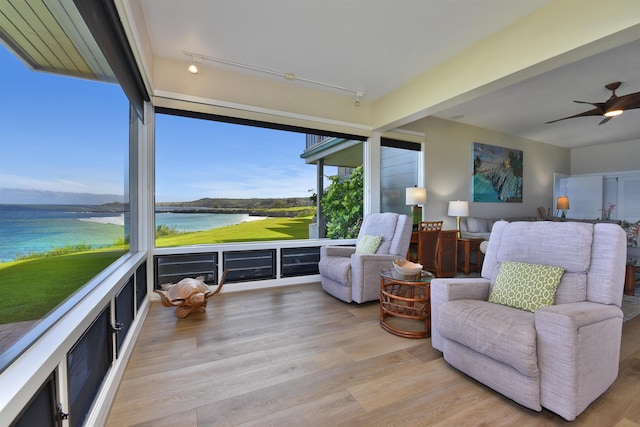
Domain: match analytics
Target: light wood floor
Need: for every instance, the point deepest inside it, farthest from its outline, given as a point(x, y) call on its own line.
point(296, 356)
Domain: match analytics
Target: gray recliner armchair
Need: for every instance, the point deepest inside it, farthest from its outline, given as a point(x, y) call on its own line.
point(352, 276)
point(560, 356)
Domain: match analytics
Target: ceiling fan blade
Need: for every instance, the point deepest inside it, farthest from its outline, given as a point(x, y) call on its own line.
point(626, 102)
point(599, 105)
point(594, 112)
point(615, 102)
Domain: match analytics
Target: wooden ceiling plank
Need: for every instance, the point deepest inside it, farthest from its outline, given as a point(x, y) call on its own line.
point(33, 13)
point(65, 47)
point(14, 29)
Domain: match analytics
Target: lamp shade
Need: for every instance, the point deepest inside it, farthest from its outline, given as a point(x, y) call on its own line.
point(458, 208)
point(416, 196)
point(562, 203)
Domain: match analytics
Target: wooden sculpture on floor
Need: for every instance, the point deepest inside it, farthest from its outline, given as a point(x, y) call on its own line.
point(188, 295)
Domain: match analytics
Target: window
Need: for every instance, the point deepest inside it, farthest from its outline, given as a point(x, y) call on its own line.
point(398, 171)
point(64, 152)
point(629, 196)
point(227, 182)
point(623, 191)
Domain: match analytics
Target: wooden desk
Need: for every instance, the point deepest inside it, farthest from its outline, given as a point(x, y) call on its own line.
point(447, 254)
point(437, 251)
point(630, 282)
point(466, 247)
point(414, 244)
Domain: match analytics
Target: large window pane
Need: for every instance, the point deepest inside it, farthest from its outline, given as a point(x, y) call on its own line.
point(398, 171)
point(223, 182)
point(63, 172)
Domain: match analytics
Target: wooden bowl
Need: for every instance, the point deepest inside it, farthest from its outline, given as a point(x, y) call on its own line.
point(407, 268)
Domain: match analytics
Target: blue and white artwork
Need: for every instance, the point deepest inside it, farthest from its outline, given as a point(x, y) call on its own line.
point(497, 174)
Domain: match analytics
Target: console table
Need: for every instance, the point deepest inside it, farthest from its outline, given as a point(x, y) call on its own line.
point(405, 303)
point(447, 254)
point(630, 282)
point(412, 253)
point(467, 247)
point(436, 249)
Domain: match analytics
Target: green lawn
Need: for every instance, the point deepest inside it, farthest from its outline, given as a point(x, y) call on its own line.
point(252, 231)
point(32, 288)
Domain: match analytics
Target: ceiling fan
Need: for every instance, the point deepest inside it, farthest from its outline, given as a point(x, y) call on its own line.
point(614, 106)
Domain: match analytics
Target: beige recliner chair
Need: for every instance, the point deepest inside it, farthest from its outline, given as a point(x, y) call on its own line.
point(352, 276)
point(560, 356)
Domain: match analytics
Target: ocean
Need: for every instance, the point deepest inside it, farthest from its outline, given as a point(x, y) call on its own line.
point(28, 229)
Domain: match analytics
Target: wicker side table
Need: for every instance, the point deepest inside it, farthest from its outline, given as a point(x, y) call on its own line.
point(405, 303)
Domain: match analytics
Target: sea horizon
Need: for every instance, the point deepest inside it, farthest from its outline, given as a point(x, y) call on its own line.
point(31, 228)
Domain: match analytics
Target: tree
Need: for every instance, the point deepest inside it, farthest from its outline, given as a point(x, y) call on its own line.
point(342, 205)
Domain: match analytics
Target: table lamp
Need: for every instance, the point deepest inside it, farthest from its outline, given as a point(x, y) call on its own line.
point(416, 196)
point(562, 204)
point(458, 208)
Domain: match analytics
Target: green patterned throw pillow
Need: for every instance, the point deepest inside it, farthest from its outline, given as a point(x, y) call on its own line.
point(526, 286)
point(368, 244)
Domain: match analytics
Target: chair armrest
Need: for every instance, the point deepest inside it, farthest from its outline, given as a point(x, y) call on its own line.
point(443, 290)
point(344, 251)
point(578, 347)
point(388, 259)
point(575, 315)
point(454, 289)
point(365, 275)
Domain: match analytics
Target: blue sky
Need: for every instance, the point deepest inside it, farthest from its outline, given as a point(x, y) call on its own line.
point(69, 135)
point(226, 160)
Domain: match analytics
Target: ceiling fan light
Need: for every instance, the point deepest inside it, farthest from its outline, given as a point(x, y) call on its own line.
point(613, 113)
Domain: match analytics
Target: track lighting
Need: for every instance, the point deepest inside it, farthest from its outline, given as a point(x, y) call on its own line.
point(193, 69)
point(358, 96)
point(195, 57)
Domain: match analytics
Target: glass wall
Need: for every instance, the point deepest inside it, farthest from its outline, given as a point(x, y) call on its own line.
point(398, 171)
point(222, 182)
point(64, 165)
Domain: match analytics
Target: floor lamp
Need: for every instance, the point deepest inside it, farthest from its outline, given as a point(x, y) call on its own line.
point(416, 196)
point(458, 208)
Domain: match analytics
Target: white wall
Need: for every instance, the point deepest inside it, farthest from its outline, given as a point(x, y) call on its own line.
point(448, 169)
point(604, 158)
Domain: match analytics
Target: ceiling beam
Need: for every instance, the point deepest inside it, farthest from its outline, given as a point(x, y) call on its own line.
point(560, 33)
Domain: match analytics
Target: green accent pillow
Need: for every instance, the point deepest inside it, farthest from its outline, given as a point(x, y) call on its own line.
point(526, 286)
point(368, 244)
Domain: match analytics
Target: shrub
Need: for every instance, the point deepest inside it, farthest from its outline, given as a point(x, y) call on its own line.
point(165, 230)
point(342, 205)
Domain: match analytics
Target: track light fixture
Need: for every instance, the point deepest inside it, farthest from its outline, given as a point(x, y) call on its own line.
point(193, 69)
point(358, 96)
point(195, 57)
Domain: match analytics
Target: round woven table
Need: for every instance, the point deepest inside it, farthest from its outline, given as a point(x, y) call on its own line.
point(405, 303)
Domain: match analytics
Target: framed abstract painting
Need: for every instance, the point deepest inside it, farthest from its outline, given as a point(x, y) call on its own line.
point(497, 174)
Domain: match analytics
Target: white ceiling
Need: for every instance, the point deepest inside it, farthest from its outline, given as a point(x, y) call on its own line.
point(374, 46)
point(523, 109)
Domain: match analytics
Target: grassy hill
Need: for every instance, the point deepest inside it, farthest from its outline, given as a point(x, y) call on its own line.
point(252, 231)
point(226, 203)
point(33, 287)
